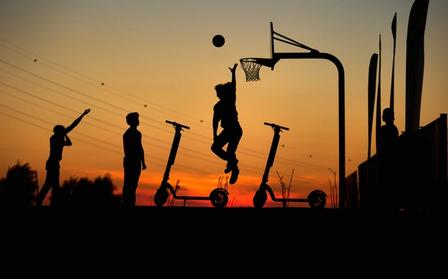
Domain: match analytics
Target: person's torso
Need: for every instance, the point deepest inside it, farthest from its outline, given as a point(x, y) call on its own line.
point(56, 147)
point(132, 144)
point(226, 111)
point(389, 135)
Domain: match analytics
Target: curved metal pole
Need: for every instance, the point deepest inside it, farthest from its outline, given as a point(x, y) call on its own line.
point(341, 103)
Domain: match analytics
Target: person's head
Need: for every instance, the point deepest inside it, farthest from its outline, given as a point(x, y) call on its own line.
point(388, 115)
point(132, 119)
point(221, 89)
point(59, 130)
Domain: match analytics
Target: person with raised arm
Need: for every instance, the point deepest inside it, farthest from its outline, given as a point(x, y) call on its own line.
point(226, 114)
point(57, 142)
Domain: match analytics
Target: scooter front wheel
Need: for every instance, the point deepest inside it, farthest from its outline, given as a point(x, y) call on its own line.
point(260, 198)
point(317, 199)
point(161, 196)
point(219, 198)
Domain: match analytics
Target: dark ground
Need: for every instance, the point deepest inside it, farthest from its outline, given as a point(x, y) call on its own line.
point(220, 239)
point(227, 219)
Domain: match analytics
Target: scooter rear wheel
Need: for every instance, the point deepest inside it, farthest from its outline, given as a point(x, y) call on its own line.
point(161, 196)
point(219, 198)
point(317, 199)
point(260, 198)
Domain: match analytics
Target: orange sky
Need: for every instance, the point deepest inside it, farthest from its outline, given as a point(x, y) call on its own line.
point(159, 54)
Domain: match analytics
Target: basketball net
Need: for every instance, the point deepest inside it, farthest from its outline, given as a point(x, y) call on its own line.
point(251, 69)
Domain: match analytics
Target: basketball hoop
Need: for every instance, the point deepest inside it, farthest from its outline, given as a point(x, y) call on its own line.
point(251, 67)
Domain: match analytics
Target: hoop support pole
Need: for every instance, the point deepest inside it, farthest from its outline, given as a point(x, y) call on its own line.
point(341, 107)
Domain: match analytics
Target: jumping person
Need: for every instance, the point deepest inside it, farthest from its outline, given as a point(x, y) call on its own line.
point(134, 159)
point(225, 113)
point(57, 142)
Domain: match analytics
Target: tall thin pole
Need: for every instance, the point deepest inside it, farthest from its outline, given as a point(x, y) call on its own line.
point(392, 81)
point(378, 104)
point(373, 69)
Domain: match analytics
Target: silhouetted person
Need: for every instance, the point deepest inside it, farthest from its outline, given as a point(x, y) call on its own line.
point(57, 142)
point(134, 159)
point(387, 158)
point(388, 132)
point(225, 113)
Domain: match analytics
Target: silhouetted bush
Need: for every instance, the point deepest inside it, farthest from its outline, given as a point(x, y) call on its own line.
point(82, 192)
point(20, 186)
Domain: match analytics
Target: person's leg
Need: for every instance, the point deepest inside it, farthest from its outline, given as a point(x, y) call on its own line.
point(131, 177)
point(218, 144)
point(133, 184)
point(234, 140)
point(126, 183)
point(44, 191)
point(55, 187)
point(232, 164)
point(51, 176)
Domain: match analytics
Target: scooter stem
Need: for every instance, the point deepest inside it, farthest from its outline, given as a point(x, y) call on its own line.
point(174, 147)
point(274, 145)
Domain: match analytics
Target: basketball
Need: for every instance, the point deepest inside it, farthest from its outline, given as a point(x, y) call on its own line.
point(218, 41)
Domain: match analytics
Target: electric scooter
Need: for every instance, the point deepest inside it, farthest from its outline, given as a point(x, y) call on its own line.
point(316, 199)
point(218, 197)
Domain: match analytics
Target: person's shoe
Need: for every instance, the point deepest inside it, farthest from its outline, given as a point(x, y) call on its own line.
point(230, 166)
point(234, 176)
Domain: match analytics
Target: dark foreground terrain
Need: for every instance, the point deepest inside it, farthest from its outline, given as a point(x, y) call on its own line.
point(211, 219)
point(222, 237)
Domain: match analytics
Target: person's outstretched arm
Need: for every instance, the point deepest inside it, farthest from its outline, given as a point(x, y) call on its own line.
point(233, 70)
point(76, 122)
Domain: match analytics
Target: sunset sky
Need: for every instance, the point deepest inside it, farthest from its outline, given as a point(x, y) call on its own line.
point(156, 58)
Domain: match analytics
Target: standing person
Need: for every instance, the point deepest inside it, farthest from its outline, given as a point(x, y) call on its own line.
point(389, 186)
point(57, 142)
point(134, 159)
point(388, 132)
point(225, 113)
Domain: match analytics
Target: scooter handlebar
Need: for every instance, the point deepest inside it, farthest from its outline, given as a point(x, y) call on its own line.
point(175, 124)
point(276, 126)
